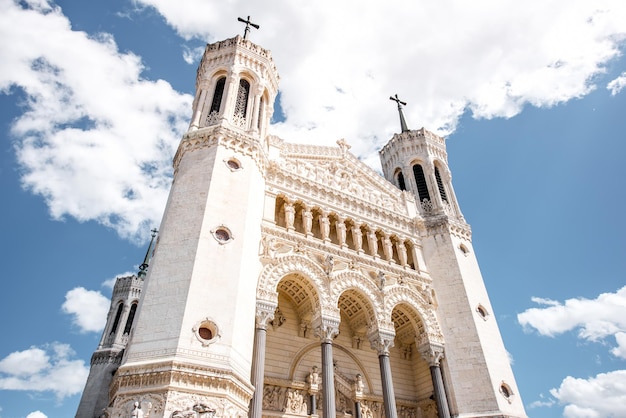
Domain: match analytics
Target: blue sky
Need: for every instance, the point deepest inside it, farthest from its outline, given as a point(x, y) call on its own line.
point(95, 95)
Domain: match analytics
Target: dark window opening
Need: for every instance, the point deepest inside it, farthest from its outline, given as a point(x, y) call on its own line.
point(131, 317)
point(420, 179)
point(241, 106)
point(217, 96)
point(442, 190)
point(401, 183)
point(117, 318)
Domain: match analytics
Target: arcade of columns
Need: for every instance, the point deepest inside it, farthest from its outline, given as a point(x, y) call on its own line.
point(336, 271)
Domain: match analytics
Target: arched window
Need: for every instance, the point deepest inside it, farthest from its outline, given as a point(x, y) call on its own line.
point(420, 179)
point(442, 190)
point(400, 179)
point(131, 317)
point(217, 96)
point(241, 107)
point(116, 322)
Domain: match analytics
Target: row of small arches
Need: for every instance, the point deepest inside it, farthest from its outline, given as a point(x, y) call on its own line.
point(129, 320)
point(344, 232)
point(421, 183)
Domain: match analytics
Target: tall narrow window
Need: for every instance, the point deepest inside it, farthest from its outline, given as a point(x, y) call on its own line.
point(420, 179)
point(116, 322)
point(401, 183)
point(217, 96)
point(442, 190)
point(131, 317)
point(241, 106)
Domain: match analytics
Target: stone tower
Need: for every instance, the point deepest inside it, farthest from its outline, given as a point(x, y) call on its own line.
point(478, 374)
point(292, 280)
point(194, 329)
point(108, 356)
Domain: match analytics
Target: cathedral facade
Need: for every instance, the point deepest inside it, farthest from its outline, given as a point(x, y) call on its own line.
point(293, 281)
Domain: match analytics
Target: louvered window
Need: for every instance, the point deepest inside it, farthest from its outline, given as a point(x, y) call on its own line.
point(442, 190)
point(420, 179)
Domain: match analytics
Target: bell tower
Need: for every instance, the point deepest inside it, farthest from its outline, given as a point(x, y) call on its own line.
point(192, 344)
point(477, 374)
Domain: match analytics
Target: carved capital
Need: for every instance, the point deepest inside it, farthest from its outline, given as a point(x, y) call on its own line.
point(326, 328)
point(432, 353)
point(264, 313)
point(381, 340)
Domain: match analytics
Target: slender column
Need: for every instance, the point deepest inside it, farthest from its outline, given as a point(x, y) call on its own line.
point(382, 341)
point(433, 353)
point(195, 124)
point(264, 314)
point(256, 109)
point(326, 330)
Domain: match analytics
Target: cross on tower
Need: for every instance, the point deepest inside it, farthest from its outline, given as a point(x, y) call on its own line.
point(400, 103)
point(248, 24)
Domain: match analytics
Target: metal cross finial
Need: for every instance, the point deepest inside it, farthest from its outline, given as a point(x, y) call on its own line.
point(248, 24)
point(400, 104)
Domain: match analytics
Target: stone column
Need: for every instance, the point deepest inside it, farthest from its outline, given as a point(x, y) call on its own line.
point(382, 341)
point(254, 126)
point(327, 329)
point(433, 353)
point(264, 314)
point(231, 88)
point(195, 123)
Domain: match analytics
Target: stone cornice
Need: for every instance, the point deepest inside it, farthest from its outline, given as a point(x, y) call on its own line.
point(221, 135)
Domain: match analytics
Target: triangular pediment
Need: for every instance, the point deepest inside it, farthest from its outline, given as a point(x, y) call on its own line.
point(338, 169)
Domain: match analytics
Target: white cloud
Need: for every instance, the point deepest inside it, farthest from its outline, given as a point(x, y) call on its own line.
point(88, 307)
point(601, 396)
point(49, 368)
point(95, 148)
point(616, 85)
point(595, 319)
point(36, 414)
point(342, 60)
point(94, 139)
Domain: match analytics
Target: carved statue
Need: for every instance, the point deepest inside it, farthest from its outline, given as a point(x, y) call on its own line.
point(358, 385)
point(313, 379)
point(381, 280)
point(307, 221)
point(325, 226)
point(137, 412)
point(290, 215)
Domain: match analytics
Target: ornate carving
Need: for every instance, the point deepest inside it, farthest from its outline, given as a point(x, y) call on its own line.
point(432, 353)
point(264, 313)
point(381, 340)
point(326, 328)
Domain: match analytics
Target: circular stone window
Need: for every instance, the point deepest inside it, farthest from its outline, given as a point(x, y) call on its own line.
point(482, 311)
point(206, 331)
point(222, 234)
point(506, 391)
point(233, 164)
